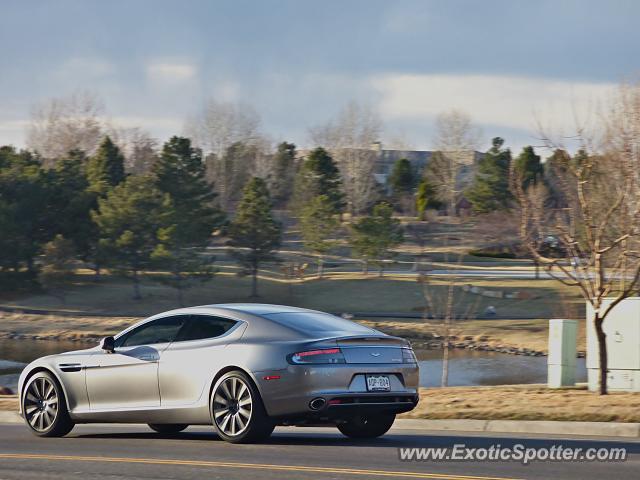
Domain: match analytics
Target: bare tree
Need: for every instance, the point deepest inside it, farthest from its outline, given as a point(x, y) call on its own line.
point(350, 138)
point(229, 136)
point(63, 124)
point(456, 140)
point(592, 240)
point(140, 149)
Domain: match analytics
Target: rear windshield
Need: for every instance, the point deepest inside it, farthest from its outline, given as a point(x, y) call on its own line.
point(310, 322)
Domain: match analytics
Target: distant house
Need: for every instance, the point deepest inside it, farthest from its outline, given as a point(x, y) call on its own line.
point(385, 158)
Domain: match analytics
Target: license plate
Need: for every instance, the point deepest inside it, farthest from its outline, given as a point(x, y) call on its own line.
point(378, 383)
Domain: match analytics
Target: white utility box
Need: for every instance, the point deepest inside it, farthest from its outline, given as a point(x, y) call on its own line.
point(562, 353)
point(622, 327)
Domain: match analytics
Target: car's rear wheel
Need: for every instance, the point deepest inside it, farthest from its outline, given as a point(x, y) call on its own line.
point(44, 407)
point(367, 426)
point(237, 410)
point(168, 428)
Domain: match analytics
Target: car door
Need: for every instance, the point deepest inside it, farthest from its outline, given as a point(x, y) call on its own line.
point(194, 357)
point(128, 377)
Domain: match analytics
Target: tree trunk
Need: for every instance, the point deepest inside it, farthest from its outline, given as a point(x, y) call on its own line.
point(381, 270)
point(537, 265)
point(365, 267)
point(320, 266)
point(254, 281)
point(136, 286)
point(602, 353)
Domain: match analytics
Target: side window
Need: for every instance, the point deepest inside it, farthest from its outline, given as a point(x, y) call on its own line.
point(205, 326)
point(162, 330)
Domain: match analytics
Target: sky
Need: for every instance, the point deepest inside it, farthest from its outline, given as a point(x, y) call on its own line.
point(512, 65)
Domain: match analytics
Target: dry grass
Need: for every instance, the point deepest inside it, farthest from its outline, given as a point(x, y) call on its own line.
point(526, 402)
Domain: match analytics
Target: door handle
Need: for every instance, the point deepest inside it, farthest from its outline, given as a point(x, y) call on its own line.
point(148, 357)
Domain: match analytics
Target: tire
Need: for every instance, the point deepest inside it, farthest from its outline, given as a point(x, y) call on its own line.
point(367, 426)
point(237, 411)
point(44, 406)
point(168, 428)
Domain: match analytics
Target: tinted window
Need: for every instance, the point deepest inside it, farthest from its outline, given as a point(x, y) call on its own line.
point(205, 326)
point(163, 330)
point(309, 322)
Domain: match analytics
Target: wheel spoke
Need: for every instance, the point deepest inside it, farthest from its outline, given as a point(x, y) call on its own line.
point(233, 425)
point(41, 421)
point(50, 391)
point(30, 398)
point(219, 399)
point(34, 418)
point(225, 421)
point(53, 400)
point(226, 392)
point(241, 423)
point(221, 412)
point(245, 413)
point(246, 401)
point(234, 384)
point(34, 389)
point(243, 388)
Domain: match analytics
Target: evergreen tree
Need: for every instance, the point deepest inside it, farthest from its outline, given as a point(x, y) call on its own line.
point(372, 237)
point(254, 232)
point(58, 266)
point(283, 172)
point(24, 215)
point(490, 189)
point(105, 169)
point(402, 179)
point(318, 223)
point(180, 173)
point(130, 219)
point(319, 175)
point(426, 197)
point(70, 203)
point(529, 167)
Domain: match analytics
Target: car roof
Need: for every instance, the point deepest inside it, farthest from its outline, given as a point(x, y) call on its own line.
point(259, 308)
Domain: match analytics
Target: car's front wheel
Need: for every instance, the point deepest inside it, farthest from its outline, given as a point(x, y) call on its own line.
point(237, 410)
point(367, 426)
point(44, 407)
point(168, 428)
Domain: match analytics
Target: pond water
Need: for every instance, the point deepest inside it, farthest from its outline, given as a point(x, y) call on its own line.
point(466, 368)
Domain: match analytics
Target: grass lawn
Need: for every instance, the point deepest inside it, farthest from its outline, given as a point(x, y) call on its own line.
point(526, 402)
point(345, 292)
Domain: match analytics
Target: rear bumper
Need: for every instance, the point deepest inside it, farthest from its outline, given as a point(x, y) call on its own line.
point(341, 386)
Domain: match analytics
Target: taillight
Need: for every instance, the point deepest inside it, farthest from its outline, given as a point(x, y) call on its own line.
point(322, 355)
point(408, 356)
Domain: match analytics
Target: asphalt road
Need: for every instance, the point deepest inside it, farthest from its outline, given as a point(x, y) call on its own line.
point(126, 451)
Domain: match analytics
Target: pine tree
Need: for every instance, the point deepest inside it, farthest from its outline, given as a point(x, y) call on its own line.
point(529, 167)
point(402, 178)
point(180, 173)
point(129, 220)
point(490, 189)
point(372, 237)
point(254, 232)
point(319, 175)
point(283, 172)
point(105, 169)
point(318, 223)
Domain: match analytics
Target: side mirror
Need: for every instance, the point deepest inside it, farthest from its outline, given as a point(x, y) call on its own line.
point(108, 344)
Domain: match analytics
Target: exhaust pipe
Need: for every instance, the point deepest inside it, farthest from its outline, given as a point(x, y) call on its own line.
point(317, 403)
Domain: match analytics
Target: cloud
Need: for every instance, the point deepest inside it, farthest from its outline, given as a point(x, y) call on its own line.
point(171, 72)
point(504, 101)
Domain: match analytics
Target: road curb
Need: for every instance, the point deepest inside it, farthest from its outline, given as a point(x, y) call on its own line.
point(606, 429)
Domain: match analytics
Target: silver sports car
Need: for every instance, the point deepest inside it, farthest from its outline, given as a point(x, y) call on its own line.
point(244, 368)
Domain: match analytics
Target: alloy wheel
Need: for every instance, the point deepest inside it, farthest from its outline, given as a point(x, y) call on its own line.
point(41, 404)
point(232, 406)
